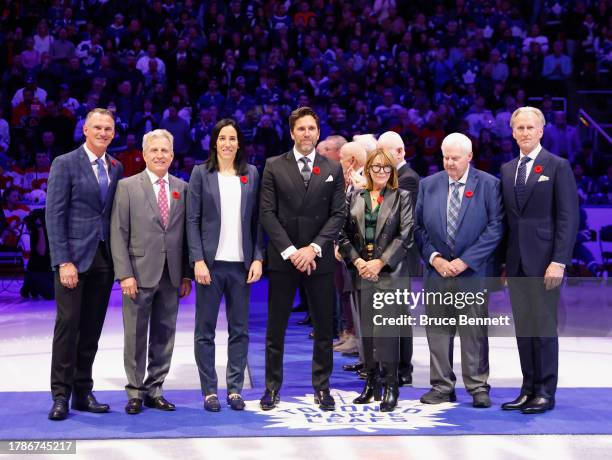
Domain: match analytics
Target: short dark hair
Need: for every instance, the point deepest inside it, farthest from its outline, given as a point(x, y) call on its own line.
point(240, 164)
point(302, 112)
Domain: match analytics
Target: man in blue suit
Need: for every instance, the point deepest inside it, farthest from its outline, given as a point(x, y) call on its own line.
point(80, 195)
point(459, 225)
point(541, 202)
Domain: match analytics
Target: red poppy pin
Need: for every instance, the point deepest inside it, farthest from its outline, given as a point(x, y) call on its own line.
point(113, 162)
point(316, 170)
point(380, 199)
point(538, 169)
point(176, 195)
point(469, 193)
point(244, 179)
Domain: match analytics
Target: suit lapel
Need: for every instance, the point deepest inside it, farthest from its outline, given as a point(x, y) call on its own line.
point(359, 212)
point(541, 160)
point(316, 179)
point(174, 203)
point(470, 186)
point(442, 202)
point(508, 183)
point(244, 188)
point(88, 172)
point(293, 171)
point(147, 188)
point(213, 185)
point(384, 211)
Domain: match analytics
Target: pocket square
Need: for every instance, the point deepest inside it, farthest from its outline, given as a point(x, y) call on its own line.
point(330, 178)
point(543, 178)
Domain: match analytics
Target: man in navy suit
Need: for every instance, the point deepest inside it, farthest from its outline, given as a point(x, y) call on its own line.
point(302, 210)
point(459, 225)
point(541, 202)
point(80, 194)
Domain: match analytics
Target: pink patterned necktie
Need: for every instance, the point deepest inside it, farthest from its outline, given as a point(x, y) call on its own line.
point(162, 202)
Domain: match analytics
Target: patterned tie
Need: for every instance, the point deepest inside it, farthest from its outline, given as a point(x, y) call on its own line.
point(521, 181)
point(306, 171)
point(452, 215)
point(102, 179)
point(162, 202)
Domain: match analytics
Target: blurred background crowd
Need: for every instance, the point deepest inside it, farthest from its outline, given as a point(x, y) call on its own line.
point(423, 69)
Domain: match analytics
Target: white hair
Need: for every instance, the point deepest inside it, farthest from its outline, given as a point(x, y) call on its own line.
point(457, 140)
point(527, 109)
point(390, 140)
point(157, 134)
point(368, 141)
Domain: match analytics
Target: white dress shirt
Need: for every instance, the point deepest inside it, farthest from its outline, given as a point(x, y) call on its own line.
point(92, 160)
point(292, 249)
point(154, 178)
point(533, 155)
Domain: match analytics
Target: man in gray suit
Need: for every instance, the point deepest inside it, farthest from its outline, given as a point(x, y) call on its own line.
point(150, 257)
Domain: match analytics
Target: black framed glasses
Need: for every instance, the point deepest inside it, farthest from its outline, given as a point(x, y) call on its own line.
point(378, 168)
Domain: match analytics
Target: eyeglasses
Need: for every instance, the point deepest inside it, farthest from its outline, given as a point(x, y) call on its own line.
point(378, 168)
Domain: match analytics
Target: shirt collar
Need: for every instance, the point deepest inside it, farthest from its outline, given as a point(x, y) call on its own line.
point(298, 155)
point(154, 177)
point(533, 154)
point(463, 179)
point(92, 156)
point(400, 164)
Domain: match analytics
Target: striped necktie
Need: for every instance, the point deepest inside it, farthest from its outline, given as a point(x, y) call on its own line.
point(452, 214)
point(306, 171)
point(521, 182)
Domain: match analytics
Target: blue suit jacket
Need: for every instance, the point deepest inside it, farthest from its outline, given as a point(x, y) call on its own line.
point(204, 216)
point(544, 229)
point(77, 219)
point(480, 226)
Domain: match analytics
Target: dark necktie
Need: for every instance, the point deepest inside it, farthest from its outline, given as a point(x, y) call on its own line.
point(102, 180)
point(306, 171)
point(521, 181)
point(452, 214)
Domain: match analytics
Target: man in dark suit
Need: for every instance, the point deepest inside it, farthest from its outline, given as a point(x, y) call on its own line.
point(459, 225)
point(149, 249)
point(80, 194)
point(302, 211)
point(392, 143)
point(541, 202)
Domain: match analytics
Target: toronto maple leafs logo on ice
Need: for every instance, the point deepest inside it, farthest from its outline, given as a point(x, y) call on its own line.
point(367, 418)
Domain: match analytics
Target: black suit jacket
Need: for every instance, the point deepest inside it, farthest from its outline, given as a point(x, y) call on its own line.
point(394, 231)
point(408, 180)
point(292, 214)
point(544, 229)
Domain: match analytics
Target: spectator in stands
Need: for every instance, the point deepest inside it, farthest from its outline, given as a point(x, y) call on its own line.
point(179, 129)
point(561, 138)
point(38, 277)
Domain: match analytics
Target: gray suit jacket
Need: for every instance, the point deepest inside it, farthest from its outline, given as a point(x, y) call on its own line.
point(139, 243)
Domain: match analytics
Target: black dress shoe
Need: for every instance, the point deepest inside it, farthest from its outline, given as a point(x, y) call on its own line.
point(160, 403)
point(59, 410)
point(390, 397)
point(325, 400)
point(517, 403)
point(306, 321)
point(235, 402)
point(212, 404)
point(404, 380)
point(371, 390)
point(481, 400)
point(134, 406)
point(357, 366)
point(437, 397)
point(89, 403)
point(269, 400)
point(537, 405)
